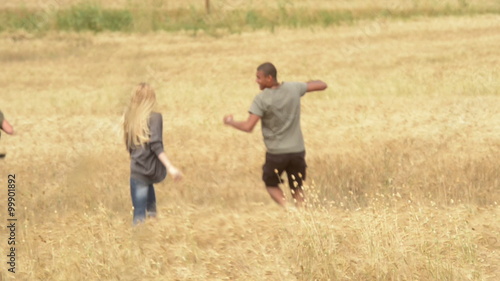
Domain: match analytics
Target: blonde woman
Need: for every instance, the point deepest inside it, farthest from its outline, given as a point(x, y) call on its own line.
point(143, 129)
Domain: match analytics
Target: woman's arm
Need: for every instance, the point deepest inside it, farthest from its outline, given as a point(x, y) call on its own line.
point(171, 169)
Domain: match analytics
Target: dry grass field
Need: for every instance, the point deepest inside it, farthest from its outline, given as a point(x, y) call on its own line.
point(403, 151)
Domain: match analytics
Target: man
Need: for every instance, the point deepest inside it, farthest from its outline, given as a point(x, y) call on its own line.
point(278, 105)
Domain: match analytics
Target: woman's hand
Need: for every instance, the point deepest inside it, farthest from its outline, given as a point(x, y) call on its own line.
point(175, 173)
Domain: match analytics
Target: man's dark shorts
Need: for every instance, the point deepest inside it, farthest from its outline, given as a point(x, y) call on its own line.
point(294, 164)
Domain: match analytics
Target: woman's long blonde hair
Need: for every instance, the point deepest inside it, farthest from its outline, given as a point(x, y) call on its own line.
point(135, 120)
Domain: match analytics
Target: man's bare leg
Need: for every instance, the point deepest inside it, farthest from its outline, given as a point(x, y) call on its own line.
point(277, 195)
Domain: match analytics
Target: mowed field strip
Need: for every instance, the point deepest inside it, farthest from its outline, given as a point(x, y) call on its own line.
point(402, 148)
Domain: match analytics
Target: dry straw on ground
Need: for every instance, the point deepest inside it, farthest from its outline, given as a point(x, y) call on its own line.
point(403, 149)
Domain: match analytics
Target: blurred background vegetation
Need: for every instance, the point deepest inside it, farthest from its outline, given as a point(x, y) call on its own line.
point(215, 16)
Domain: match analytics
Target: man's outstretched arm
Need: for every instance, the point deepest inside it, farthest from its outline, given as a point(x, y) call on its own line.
point(316, 85)
point(245, 126)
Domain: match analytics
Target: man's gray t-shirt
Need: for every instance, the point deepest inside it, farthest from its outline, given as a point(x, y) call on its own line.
point(279, 110)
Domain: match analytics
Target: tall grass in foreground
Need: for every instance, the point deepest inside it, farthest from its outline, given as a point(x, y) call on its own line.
point(410, 242)
point(147, 18)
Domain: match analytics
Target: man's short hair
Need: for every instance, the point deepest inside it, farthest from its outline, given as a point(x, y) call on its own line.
point(268, 69)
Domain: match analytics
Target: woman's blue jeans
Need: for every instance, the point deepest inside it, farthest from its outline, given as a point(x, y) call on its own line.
point(143, 200)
